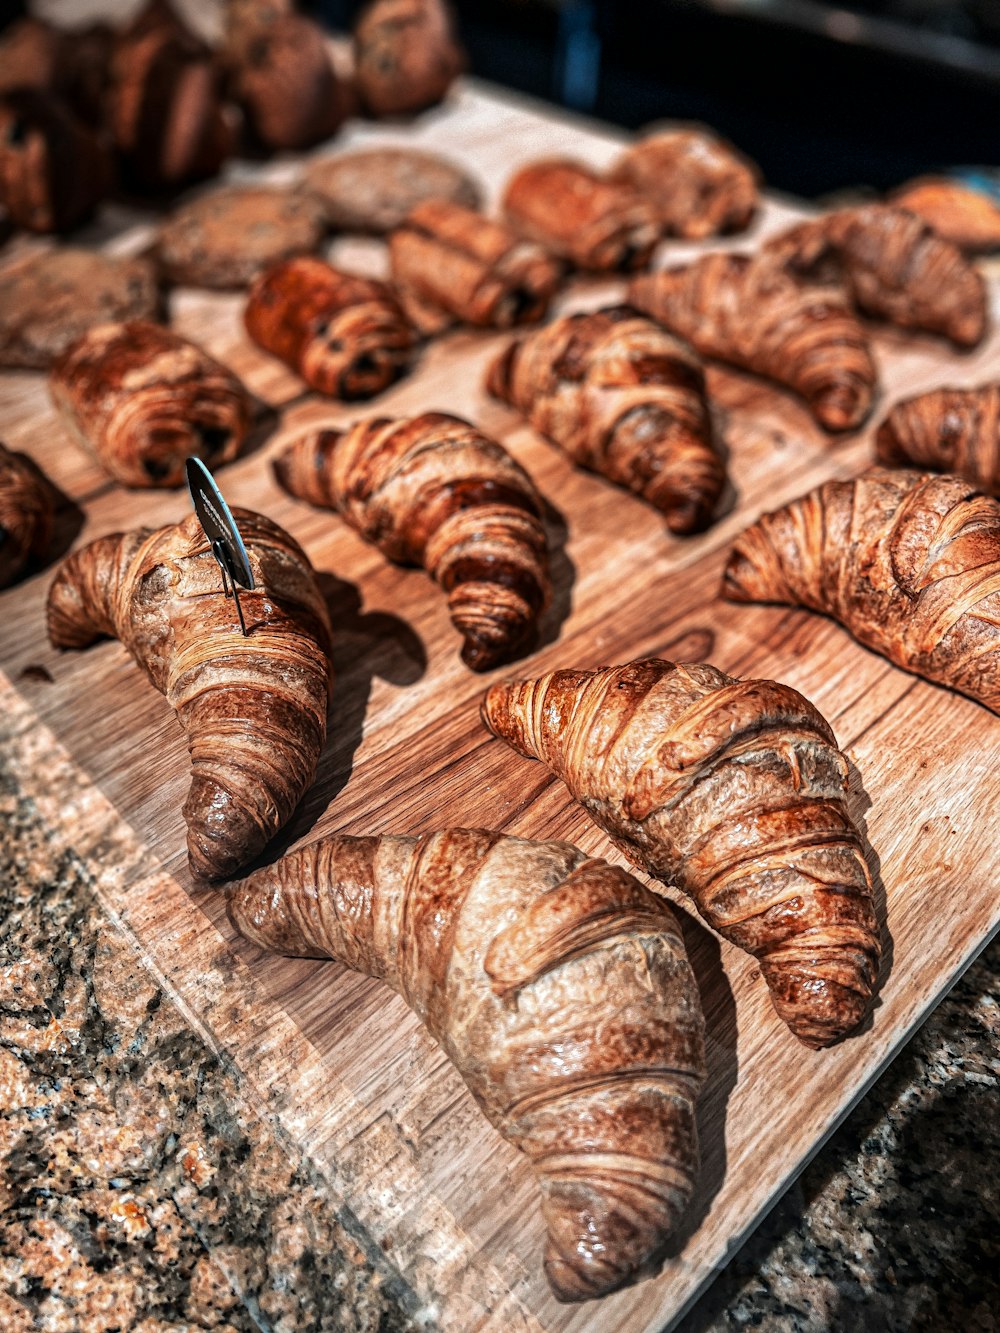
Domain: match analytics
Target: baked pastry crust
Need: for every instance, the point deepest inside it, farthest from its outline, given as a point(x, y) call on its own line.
point(436, 492)
point(698, 183)
point(53, 298)
point(406, 56)
point(750, 312)
point(373, 189)
point(26, 513)
point(450, 264)
point(253, 708)
point(226, 238)
point(345, 335)
point(947, 430)
point(624, 398)
point(907, 561)
point(735, 791)
point(559, 988)
point(53, 170)
point(967, 218)
point(594, 223)
point(143, 400)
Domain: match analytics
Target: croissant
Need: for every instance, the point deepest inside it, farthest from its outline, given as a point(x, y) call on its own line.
point(734, 790)
point(345, 335)
point(623, 398)
point(698, 184)
point(54, 171)
point(596, 224)
point(406, 56)
point(559, 988)
point(143, 399)
point(967, 217)
point(254, 708)
point(893, 266)
point(907, 561)
point(450, 263)
point(949, 430)
point(434, 491)
point(26, 511)
point(750, 313)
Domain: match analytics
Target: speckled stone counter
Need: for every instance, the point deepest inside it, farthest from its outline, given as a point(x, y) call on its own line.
point(140, 1191)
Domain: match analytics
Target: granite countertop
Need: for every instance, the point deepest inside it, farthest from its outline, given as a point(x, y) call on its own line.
point(138, 1193)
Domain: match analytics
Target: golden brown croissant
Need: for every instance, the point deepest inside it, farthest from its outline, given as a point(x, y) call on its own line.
point(345, 335)
point(698, 184)
point(893, 266)
point(948, 430)
point(451, 263)
point(596, 224)
point(968, 218)
point(253, 709)
point(623, 398)
point(26, 511)
point(143, 399)
point(434, 491)
point(735, 792)
point(559, 988)
point(750, 313)
point(907, 561)
point(406, 56)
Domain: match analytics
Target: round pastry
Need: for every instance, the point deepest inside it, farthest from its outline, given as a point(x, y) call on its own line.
point(226, 238)
point(53, 170)
point(373, 190)
point(405, 55)
point(54, 297)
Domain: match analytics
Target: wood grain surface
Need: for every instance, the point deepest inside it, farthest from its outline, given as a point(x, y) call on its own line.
point(337, 1061)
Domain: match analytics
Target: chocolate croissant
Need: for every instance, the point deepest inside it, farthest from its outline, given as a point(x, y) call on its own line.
point(54, 171)
point(893, 266)
point(698, 184)
point(26, 512)
point(907, 561)
point(450, 263)
point(345, 335)
point(948, 430)
point(750, 313)
point(406, 55)
point(596, 224)
point(734, 790)
point(143, 399)
point(434, 491)
point(559, 988)
point(254, 708)
point(625, 399)
point(967, 217)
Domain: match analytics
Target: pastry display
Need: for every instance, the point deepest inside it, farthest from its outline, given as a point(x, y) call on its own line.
point(52, 298)
point(451, 264)
point(560, 990)
point(893, 266)
point(166, 111)
point(594, 223)
point(282, 76)
point(32, 55)
point(434, 491)
point(226, 238)
point(968, 218)
point(947, 430)
point(53, 169)
point(345, 335)
point(734, 791)
point(142, 400)
point(907, 561)
point(406, 55)
point(253, 708)
point(623, 398)
point(373, 189)
point(698, 184)
point(26, 510)
point(754, 315)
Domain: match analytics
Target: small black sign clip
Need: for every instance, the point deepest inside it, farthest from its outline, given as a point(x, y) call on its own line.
point(222, 533)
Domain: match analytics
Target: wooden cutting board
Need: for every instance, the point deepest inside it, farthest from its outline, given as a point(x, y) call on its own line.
point(337, 1061)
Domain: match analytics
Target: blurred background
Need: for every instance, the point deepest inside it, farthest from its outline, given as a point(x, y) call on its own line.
point(824, 96)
